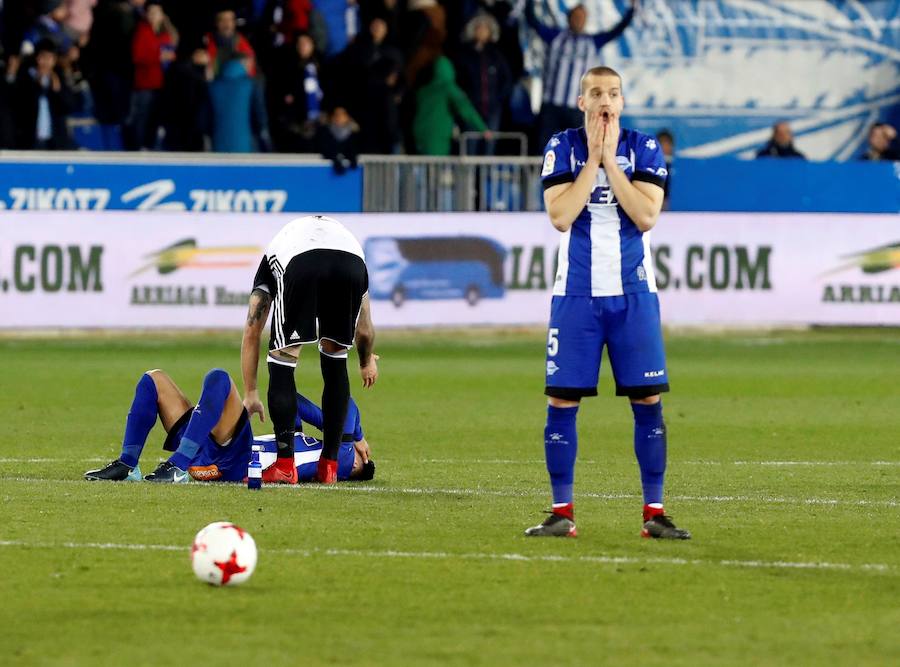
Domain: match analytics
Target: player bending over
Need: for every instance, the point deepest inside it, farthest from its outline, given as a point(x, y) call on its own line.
point(211, 442)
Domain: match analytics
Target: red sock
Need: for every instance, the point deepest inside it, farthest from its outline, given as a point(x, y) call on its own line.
point(326, 471)
point(650, 511)
point(567, 510)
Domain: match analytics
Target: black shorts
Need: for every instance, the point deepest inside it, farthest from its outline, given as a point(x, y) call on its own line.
point(319, 297)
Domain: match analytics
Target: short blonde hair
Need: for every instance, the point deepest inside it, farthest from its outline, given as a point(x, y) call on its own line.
point(601, 70)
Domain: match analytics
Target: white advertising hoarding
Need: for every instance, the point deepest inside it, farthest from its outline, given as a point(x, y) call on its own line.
point(184, 270)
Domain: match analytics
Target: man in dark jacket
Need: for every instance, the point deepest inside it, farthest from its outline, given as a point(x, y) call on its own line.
point(781, 144)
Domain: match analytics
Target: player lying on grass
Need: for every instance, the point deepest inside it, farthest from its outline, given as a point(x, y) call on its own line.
point(212, 441)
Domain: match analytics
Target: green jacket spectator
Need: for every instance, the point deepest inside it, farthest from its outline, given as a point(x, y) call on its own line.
point(438, 104)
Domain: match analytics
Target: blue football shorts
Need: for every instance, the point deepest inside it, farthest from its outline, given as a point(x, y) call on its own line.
point(629, 327)
point(215, 462)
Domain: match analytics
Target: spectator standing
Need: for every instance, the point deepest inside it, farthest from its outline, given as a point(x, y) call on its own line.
point(483, 71)
point(570, 52)
point(781, 143)
point(225, 43)
point(380, 123)
point(185, 103)
point(232, 94)
point(41, 103)
point(438, 104)
point(363, 56)
point(152, 50)
point(296, 97)
point(107, 61)
point(881, 143)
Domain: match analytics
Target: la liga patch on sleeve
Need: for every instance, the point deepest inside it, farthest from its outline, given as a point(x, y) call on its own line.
point(549, 163)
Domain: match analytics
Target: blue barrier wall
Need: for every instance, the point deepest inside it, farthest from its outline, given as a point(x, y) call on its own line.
point(772, 184)
point(172, 184)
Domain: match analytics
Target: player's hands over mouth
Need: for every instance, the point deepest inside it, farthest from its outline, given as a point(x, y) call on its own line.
point(610, 143)
point(254, 406)
point(369, 372)
point(595, 136)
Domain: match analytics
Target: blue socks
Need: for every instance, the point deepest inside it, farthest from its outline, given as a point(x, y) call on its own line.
point(560, 450)
point(650, 449)
point(216, 387)
point(141, 418)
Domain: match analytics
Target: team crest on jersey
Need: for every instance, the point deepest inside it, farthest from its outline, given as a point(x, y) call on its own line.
point(549, 163)
point(554, 142)
point(651, 144)
point(551, 368)
point(641, 273)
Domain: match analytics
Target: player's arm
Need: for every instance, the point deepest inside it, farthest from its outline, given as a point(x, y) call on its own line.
point(257, 314)
point(602, 38)
point(365, 344)
point(545, 32)
point(640, 199)
point(565, 201)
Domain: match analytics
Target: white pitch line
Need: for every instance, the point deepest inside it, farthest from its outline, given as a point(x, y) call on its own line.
point(446, 555)
point(522, 462)
point(357, 487)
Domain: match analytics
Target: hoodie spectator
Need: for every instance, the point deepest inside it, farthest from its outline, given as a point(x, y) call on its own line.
point(438, 104)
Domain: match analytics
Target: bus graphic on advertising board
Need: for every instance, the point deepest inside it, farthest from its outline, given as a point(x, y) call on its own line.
point(435, 267)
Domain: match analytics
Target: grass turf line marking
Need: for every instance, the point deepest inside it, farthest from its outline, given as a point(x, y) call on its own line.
point(357, 487)
point(446, 555)
point(97, 459)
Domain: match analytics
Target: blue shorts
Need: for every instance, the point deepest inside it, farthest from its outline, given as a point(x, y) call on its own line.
point(630, 329)
point(215, 462)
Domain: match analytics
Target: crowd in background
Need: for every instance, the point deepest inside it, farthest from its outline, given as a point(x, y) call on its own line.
point(330, 77)
point(336, 77)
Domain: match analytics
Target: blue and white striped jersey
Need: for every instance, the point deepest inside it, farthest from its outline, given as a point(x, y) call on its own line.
point(603, 253)
point(569, 55)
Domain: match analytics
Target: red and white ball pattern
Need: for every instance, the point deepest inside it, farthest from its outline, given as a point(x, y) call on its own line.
point(223, 554)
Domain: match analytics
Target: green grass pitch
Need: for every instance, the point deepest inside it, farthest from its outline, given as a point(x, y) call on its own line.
point(784, 462)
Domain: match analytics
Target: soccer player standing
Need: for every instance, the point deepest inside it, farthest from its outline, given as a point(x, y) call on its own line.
point(603, 189)
point(314, 273)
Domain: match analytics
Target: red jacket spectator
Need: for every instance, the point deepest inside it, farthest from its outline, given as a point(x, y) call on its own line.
point(146, 47)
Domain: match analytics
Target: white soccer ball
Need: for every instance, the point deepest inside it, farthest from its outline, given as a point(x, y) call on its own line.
point(223, 554)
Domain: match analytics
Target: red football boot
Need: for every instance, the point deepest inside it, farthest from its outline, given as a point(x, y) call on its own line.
point(282, 471)
point(326, 472)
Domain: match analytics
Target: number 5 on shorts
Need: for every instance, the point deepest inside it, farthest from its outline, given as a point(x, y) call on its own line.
point(552, 342)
